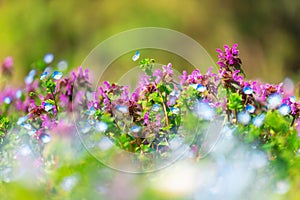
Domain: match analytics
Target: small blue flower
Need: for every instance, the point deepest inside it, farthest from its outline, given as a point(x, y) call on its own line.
point(136, 129)
point(26, 126)
point(18, 94)
point(45, 138)
point(21, 120)
point(91, 111)
point(86, 128)
point(174, 111)
point(43, 75)
point(258, 121)
point(122, 109)
point(48, 58)
point(105, 143)
point(136, 56)
point(29, 78)
point(57, 75)
point(250, 108)
point(284, 109)
point(201, 88)
point(101, 126)
point(62, 65)
point(175, 93)
point(155, 107)
point(48, 106)
point(247, 90)
point(274, 100)
point(244, 118)
point(293, 99)
point(7, 100)
point(205, 111)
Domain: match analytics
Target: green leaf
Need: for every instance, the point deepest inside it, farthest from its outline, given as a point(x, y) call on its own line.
point(276, 122)
point(235, 102)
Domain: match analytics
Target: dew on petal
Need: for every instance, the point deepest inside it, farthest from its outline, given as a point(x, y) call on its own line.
point(48, 58)
point(45, 138)
point(101, 126)
point(174, 110)
point(136, 129)
point(62, 65)
point(105, 143)
point(250, 108)
point(43, 75)
point(136, 56)
point(7, 100)
point(244, 118)
point(122, 109)
point(247, 90)
point(274, 100)
point(204, 111)
point(48, 106)
point(284, 109)
point(57, 75)
point(258, 121)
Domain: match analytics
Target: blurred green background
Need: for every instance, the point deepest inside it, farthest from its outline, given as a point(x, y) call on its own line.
point(267, 31)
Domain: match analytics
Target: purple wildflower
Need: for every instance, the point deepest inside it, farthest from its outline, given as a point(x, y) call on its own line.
point(158, 74)
point(167, 72)
point(183, 78)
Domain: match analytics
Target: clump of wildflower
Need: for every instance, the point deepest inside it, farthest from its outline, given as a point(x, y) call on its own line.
point(147, 119)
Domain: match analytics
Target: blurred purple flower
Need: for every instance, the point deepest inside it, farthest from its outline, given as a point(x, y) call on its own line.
point(7, 66)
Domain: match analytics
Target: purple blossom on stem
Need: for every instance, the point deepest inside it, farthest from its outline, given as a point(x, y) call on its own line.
point(158, 74)
point(228, 59)
point(183, 78)
point(167, 72)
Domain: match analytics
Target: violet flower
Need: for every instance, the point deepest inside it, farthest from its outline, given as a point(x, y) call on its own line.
point(158, 74)
point(167, 72)
point(183, 78)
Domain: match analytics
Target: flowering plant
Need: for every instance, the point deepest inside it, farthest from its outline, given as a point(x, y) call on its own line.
point(157, 113)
